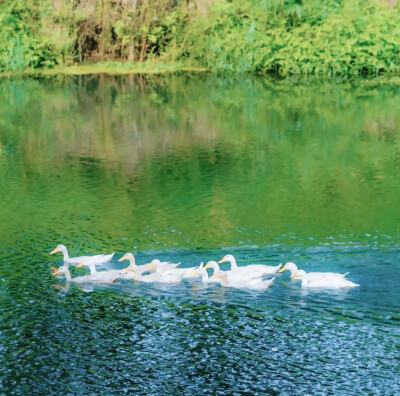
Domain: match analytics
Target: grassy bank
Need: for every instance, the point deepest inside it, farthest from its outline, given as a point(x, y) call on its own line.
point(111, 68)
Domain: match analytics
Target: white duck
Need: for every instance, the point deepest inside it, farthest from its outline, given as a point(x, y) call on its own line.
point(325, 282)
point(231, 274)
point(132, 263)
point(256, 269)
point(99, 277)
point(160, 265)
point(252, 284)
point(202, 271)
point(185, 272)
point(160, 276)
point(119, 274)
point(292, 267)
point(97, 259)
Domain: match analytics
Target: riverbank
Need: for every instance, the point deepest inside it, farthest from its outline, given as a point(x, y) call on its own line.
point(158, 68)
point(111, 68)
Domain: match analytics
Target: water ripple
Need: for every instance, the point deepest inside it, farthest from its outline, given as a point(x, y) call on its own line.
point(190, 338)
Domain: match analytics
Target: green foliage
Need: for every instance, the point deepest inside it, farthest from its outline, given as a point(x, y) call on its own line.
point(284, 37)
point(124, 30)
point(296, 37)
point(25, 40)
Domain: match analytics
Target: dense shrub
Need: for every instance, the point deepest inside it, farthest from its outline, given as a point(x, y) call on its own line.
point(26, 37)
point(296, 37)
point(327, 37)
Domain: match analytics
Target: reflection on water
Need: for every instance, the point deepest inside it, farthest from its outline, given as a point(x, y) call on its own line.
point(188, 168)
point(249, 162)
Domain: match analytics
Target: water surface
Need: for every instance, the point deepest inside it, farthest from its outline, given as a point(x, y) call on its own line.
point(190, 168)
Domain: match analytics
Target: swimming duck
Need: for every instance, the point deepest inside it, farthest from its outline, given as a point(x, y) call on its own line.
point(202, 271)
point(132, 263)
point(161, 276)
point(97, 259)
point(259, 269)
point(119, 274)
point(185, 272)
point(324, 282)
point(161, 265)
point(99, 277)
point(292, 267)
point(252, 284)
point(231, 274)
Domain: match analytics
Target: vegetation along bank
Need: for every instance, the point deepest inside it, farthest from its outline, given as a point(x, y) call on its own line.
point(283, 37)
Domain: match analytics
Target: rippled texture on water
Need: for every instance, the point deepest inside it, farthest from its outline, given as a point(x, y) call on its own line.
point(189, 168)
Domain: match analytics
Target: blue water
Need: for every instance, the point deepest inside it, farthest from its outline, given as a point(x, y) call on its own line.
point(195, 338)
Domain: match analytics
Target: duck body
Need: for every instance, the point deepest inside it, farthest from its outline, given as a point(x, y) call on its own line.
point(186, 273)
point(96, 259)
point(202, 271)
point(251, 284)
point(99, 277)
point(231, 274)
point(133, 267)
point(110, 274)
point(256, 269)
point(160, 276)
point(323, 282)
point(292, 267)
point(170, 278)
point(156, 264)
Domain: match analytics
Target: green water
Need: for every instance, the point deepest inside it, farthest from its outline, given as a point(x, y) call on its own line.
point(220, 162)
point(189, 168)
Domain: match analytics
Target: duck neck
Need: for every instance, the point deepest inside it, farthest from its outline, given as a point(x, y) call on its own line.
point(214, 265)
point(68, 275)
point(92, 268)
point(65, 254)
point(204, 276)
point(132, 264)
point(233, 263)
point(293, 268)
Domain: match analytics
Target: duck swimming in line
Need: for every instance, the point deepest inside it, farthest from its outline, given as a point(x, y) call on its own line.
point(292, 267)
point(161, 276)
point(132, 263)
point(232, 274)
point(202, 271)
point(119, 274)
point(259, 269)
point(99, 277)
point(161, 265)
point(324, 282)
point(97, 259)
point(252, 284)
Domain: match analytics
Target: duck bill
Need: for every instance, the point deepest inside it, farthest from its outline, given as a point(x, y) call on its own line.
point(283, 269)
point(221, 261)
point(294, 276)
point(54, 251)
point(80, 265)
point(122, 258)
point(56, 272)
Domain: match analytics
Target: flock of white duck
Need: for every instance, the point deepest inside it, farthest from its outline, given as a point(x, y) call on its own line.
point(244, 277)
